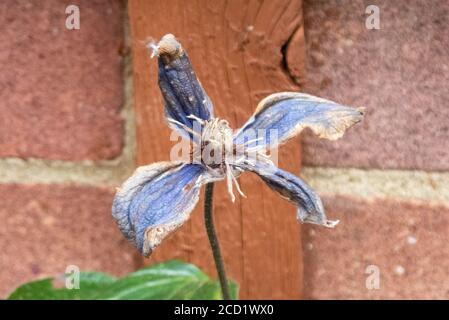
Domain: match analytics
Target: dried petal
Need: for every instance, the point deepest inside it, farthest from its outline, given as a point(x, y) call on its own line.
point(183, 94)
point(155, 201)
point(288, 113)
point(310, 208)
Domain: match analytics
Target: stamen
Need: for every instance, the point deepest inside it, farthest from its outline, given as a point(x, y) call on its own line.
point(192, 116)
point(218, 133)
point(229, 182)
point(152, 45)
point(252, 140)
point(237, 185)
point(183, 126)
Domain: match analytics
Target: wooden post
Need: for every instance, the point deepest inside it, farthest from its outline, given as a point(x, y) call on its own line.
point(236, 50)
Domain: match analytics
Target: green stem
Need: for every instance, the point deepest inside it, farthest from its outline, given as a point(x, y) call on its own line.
point(213, 240)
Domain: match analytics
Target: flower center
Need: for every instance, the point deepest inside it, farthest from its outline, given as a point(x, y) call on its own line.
point(219, 154)
point(217, 147)
point(216, 151)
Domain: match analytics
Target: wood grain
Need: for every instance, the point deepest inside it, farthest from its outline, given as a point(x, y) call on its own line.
point(235, 49)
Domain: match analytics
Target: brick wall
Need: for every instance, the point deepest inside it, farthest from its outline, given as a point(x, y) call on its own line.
point(65, 139)
point(387, 179)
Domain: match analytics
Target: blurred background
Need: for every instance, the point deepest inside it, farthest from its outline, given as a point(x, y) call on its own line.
point(68, 132)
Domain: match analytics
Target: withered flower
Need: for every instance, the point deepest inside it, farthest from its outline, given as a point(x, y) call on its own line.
point(158, 198)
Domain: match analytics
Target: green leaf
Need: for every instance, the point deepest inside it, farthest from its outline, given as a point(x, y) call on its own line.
point(53, 288)
point(169, 280)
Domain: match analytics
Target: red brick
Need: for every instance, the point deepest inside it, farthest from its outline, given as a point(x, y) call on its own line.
point(46, 228)
point(61, 90)
point(389, 234)
point(399, 73)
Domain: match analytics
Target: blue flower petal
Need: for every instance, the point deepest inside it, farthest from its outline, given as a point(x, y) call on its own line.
point(310, 208)
point(182, 92)
point(155, 201)
point(281, 116)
